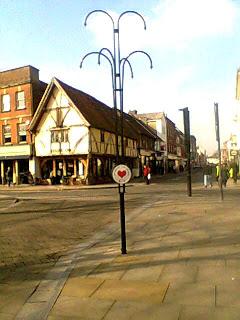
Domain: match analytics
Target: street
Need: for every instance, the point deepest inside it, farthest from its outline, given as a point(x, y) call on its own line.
point(185, 245)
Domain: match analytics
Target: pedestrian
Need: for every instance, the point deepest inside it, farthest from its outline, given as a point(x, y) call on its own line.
point(207, 176)
point(217, 172)
point(147, 174)
point(225, 175)
point(8, 176)
point(233, 172)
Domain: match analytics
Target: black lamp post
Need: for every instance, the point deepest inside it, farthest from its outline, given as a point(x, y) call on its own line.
point(117, 64)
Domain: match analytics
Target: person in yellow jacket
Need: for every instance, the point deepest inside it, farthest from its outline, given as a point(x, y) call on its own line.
point(217, 172)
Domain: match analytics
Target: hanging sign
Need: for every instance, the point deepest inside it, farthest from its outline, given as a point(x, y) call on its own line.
point(121, 174)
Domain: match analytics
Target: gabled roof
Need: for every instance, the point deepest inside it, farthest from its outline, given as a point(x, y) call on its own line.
point(140, 127)
point(97, 114)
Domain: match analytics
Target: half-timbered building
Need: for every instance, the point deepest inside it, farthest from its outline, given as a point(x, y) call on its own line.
point(75, 137)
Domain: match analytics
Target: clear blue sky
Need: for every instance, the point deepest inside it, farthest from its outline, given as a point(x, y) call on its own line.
point(194, 45)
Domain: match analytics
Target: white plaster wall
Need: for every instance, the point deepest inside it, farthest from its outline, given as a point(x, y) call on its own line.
point(161, 128)
point(78, 131)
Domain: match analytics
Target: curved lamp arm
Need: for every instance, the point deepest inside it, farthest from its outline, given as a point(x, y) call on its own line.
point(105, 56)
point(134, 12)
point(143, 52)
point(101, 53)
point(95, 11)
point(86, 55)
point(123, 61)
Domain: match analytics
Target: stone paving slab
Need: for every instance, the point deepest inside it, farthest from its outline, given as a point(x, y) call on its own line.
point(191, 294)
point(12, 302)
point(124, 310)
point(144, 273)
point(80, 308)
point(218, 274)
point(132, 290)
point(209, 313)
point(179, 273)
point(82, 288)
point(107, 271)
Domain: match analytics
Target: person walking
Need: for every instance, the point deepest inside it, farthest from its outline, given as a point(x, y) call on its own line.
point(207, 176)
point(8, 176)
point(233, 172)
point(225, 175)
point(147, 174)
point(217, 172)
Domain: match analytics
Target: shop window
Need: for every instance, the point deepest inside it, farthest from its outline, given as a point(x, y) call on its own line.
point(59, 136)
point(7, 135)
point(20, 100)
point(5, 102)
point(22, 132)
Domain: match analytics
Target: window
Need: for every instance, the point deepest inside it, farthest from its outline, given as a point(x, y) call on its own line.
point(102, 136)
point(7, 136)
point(22, 132)
point(59, 136)
point(20, 100)
point(5, 102)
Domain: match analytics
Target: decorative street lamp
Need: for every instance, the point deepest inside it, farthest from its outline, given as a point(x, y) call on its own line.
point(117, 64)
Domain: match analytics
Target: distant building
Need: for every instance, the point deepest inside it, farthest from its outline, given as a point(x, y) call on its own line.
point(20, 93)
point(230, 150)
point(193, 149)
point(172, 154)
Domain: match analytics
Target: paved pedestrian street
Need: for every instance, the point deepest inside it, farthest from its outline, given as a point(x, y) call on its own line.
point(183, 263)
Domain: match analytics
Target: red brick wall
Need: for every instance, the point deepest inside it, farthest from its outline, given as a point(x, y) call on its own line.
point(14, 116)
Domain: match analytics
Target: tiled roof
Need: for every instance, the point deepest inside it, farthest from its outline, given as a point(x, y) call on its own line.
point(95, 112)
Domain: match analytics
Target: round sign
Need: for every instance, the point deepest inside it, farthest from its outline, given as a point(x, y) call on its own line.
point(121, 174)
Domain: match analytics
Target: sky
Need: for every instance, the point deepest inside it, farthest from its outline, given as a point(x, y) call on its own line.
point(194, 46)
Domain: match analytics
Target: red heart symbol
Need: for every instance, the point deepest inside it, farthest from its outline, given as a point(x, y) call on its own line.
point(121, 173)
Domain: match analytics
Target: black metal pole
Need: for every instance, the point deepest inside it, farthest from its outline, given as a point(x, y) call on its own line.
point(219, 148)
point(188, 149)
point(117, 86)
point(122, 219)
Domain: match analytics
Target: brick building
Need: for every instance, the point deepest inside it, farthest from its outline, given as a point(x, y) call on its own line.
point(20, 93)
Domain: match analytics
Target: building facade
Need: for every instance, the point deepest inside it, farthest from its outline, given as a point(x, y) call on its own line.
point(75, 138)
point(20, 93)
point(172, 149)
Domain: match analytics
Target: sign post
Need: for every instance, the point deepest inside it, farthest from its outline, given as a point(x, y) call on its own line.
point(121, 175)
